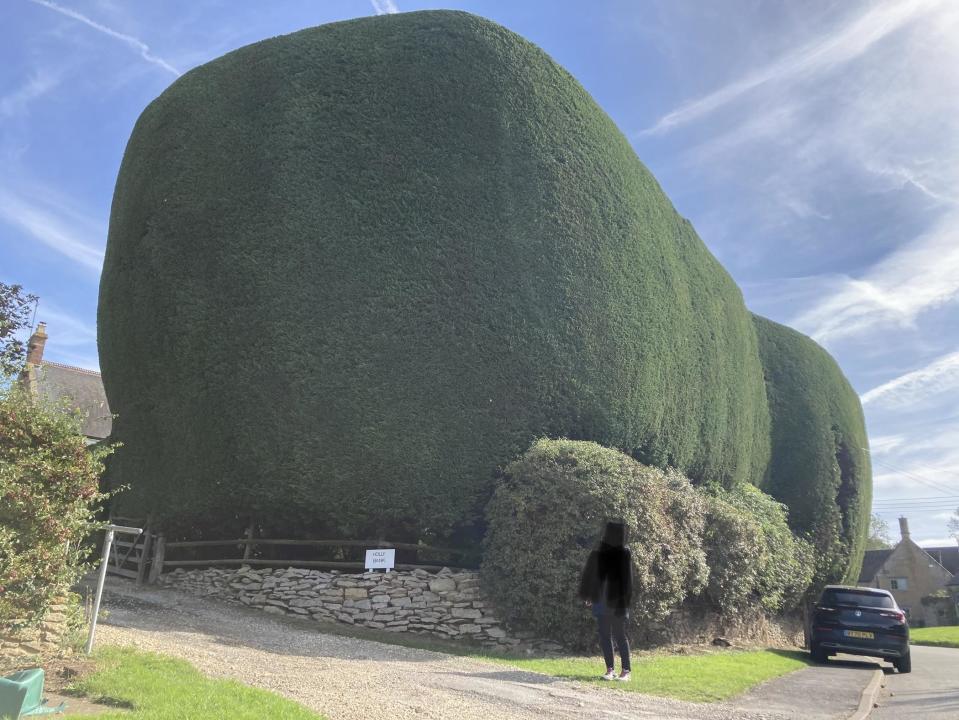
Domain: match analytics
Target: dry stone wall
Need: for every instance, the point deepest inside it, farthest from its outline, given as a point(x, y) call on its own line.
point(18, 645)
point(446, 604)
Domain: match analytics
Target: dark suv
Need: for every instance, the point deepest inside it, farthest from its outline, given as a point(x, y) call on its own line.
point(860, 621)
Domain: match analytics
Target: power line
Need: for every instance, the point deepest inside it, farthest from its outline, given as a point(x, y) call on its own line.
point(906, 501)
point(907, 473)
point(914, 476)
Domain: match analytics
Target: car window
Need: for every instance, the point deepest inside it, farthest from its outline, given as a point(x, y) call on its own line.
point(851, 597)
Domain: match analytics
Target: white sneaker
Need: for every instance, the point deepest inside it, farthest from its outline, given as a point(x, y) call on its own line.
point(623, 676)
point(610, 675)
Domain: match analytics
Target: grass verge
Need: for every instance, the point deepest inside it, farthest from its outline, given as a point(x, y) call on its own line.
point(700, 678)
point(947, 636)
point(147, 686)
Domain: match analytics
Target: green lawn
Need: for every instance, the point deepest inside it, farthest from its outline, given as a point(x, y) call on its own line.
point(947, 636)
point(700, 678)
point(146, 686)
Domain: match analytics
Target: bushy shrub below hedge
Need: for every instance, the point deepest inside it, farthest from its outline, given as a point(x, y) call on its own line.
point(733, 548)
point(546, 515)
point(753, 556)
point(48, 493)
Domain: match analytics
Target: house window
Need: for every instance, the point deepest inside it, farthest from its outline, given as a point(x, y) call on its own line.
point(898, 584)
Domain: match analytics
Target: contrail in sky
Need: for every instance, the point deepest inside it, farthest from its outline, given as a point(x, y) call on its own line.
point(384, 7)
point(133, 42)
point(844, 44)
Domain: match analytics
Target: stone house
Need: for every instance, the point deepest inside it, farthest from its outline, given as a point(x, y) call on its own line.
point(919, 578)
point(81, 389)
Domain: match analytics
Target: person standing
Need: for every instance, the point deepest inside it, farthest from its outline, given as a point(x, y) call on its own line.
point(607, 587)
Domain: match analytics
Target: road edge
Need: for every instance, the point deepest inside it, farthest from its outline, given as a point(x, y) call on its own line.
point(868, 698)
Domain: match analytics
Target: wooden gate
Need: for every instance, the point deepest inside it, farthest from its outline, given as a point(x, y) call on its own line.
point(130, 556)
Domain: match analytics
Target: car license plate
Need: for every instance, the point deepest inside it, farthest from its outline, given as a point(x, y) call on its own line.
point(860, 634)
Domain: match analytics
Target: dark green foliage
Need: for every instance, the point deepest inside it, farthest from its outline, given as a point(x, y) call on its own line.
point(753, 556)
point(548, 513)
point(820, 463)
point(352, 270)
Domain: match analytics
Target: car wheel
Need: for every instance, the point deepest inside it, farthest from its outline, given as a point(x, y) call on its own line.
point(818, 654)
point(904, 664)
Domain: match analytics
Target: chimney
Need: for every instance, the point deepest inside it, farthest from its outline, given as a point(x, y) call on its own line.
point(35, 345)
point(904, 528)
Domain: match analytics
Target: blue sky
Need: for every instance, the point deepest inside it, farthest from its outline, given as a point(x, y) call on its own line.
point(814, 145)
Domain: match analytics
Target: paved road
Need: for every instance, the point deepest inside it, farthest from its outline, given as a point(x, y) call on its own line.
point(819, 692)
point(929, 692)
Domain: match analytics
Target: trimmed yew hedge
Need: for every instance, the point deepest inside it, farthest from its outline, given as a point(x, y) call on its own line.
point(820, 464)
point(353, 270)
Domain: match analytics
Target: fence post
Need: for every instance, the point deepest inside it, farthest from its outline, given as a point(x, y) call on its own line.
point(248, 550)
point(157, 566)
point(144, 555)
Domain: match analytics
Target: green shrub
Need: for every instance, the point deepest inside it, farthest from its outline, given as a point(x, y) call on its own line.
point(48, 494)
point(431, 247)
point(820, 463)
point(753, 556)
point(546, 515)
point(733, 554)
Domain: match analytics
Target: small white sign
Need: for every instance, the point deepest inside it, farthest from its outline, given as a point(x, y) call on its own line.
point(382, 559)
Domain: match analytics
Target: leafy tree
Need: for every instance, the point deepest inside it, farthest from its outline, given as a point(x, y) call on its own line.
point(15, 308)
point(879, 538)
point(48, 495)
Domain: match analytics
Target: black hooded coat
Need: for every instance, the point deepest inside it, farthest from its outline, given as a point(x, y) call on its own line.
point(608, 575)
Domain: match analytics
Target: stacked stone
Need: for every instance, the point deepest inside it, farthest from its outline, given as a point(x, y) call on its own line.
point(447, 604)
point(43, 640)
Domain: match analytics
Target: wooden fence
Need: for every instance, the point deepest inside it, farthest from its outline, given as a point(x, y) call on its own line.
point(147, 557)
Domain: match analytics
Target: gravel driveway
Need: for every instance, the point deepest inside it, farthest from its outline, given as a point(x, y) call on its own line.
point(351, 679)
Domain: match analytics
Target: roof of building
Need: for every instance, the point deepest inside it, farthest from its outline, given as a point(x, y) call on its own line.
point(954, 581)
point(83, 389)
point(872, 560)
point(947, 556)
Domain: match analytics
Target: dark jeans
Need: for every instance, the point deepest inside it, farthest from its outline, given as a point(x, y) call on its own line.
point(612, 627)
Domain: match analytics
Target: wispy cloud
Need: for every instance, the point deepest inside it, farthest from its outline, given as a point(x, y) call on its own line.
point(844, 44)
point(133, 42)
point(921, 276)
point(883, 444)
point(37, 85)
point(67, 329)
point(941, 375)
point(384, 7)
point(58, 226)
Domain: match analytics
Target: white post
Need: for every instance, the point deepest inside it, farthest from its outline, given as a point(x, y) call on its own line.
point(104, 561)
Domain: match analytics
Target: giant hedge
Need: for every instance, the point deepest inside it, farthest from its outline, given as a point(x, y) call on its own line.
point(354, 270)
point(820, 463)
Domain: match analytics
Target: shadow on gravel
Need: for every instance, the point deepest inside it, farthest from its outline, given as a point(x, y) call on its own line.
point(516, 676)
